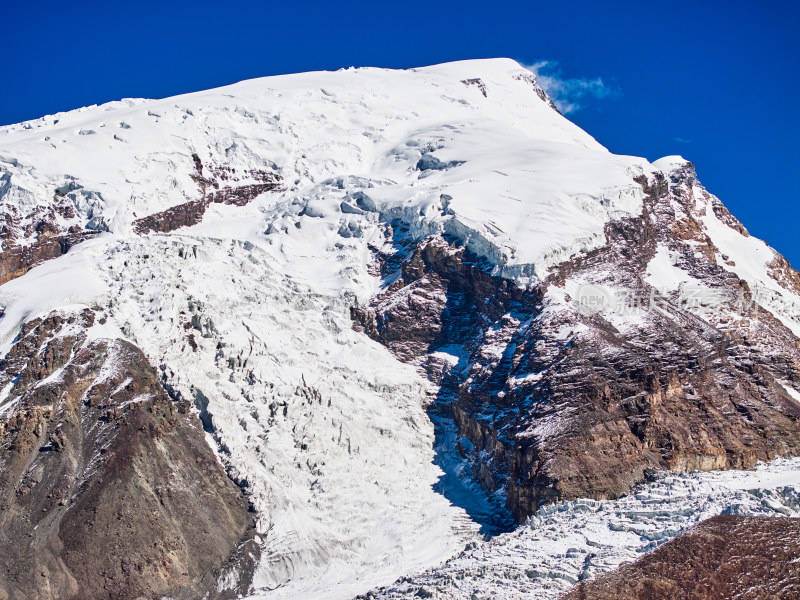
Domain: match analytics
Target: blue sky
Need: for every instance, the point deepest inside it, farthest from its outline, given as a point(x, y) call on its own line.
point(715, 81)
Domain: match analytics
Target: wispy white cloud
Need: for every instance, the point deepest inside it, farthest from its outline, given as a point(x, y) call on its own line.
point(681, 140)
point(570, 93)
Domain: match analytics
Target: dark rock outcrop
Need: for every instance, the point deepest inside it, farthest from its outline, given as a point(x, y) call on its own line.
point(212, 192)
point(477, 82)
point(17, 260)
point(183, 215)
point(748, 558)
point(107, 487)
point(531, 79)
point(44, 233)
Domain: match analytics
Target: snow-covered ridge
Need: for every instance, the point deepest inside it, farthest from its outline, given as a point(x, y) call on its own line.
point(470, 148)
point(768, 275)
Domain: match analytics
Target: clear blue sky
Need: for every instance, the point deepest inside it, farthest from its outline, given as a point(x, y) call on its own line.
point(716, 81)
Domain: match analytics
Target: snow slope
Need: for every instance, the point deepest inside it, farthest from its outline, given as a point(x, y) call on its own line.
point(503, 172)
point(248, 312)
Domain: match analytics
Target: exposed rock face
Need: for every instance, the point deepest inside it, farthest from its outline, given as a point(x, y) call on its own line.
point(558, 400)
point(17, 260)
point(212, 191)
point(723, 557)
point(531, 78)
point(108, 489)
point(30, 237)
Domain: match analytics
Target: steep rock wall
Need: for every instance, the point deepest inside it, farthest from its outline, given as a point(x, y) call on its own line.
point(560, 400)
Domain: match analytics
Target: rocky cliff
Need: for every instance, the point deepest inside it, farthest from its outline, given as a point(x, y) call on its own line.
point(559, 397)
point(108, 488)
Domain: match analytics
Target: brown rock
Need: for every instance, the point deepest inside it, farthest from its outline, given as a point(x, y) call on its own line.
point(107, 490)
point(751, 558)
point(191, 212)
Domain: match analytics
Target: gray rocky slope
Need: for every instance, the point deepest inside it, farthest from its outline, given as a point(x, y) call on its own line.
point(109, 489)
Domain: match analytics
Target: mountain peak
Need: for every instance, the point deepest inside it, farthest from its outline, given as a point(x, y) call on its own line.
point(405, 308)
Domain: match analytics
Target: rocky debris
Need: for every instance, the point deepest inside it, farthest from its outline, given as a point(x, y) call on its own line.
point(558, 402)
point(723, 557)
point(212, 192)
point(108, 488)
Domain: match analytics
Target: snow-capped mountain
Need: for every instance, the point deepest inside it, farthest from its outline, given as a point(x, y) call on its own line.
point(398, 309)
